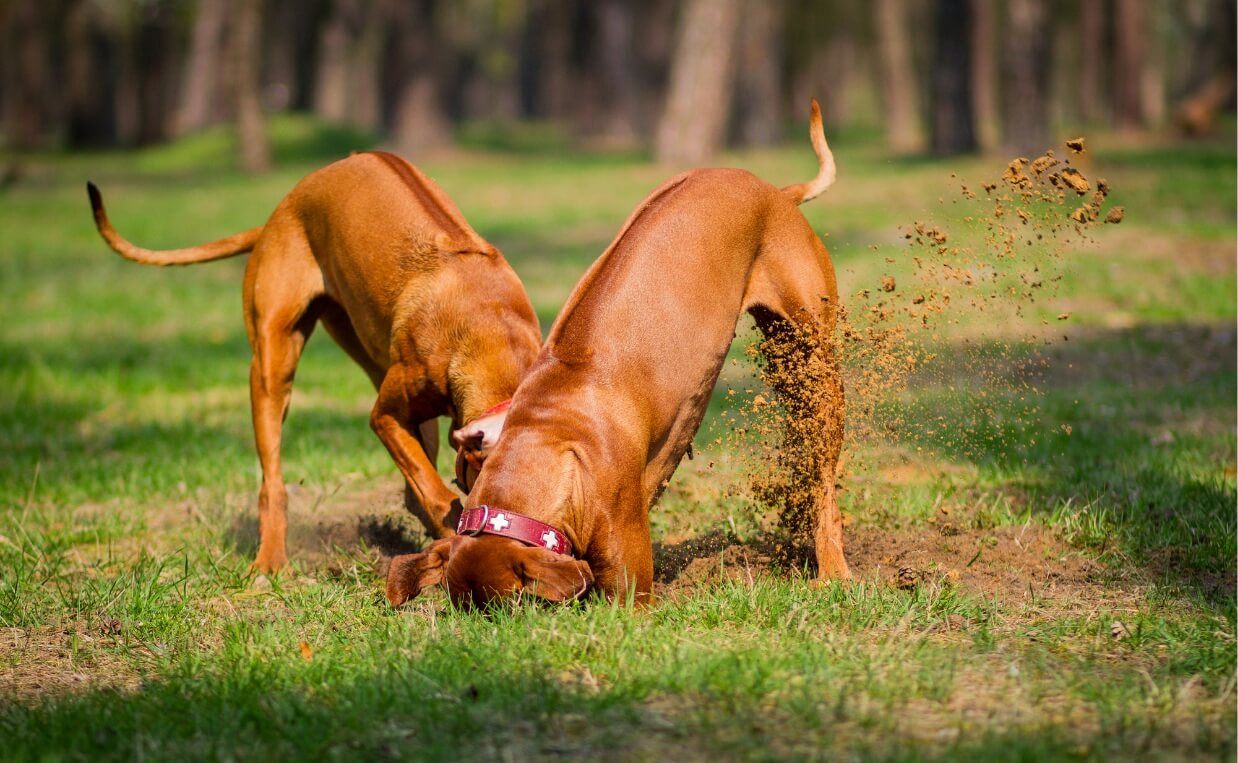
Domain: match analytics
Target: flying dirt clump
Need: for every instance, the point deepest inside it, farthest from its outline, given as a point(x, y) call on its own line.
point(963, 309)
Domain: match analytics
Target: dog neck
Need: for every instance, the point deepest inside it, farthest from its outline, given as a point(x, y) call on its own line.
point(485, 373)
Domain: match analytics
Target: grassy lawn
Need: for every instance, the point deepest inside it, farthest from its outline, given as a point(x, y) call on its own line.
point(1044, 574)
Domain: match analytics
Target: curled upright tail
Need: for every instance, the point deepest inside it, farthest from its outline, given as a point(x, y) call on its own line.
point(215, 250)
point(802, 192)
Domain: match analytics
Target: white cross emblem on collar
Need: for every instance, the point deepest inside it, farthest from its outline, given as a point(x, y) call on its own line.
point(551, 540)
point(499, 522)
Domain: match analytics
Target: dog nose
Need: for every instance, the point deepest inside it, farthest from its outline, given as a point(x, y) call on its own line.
point(468, 438)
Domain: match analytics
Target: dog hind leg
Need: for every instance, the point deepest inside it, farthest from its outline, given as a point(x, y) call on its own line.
point(795, 310)
point(279, 316)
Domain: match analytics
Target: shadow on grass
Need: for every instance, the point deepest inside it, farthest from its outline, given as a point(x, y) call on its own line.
point(455, 700)
point(59, 417)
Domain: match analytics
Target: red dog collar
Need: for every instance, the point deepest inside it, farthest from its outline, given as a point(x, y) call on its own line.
point(503, 406)
point(509, 524)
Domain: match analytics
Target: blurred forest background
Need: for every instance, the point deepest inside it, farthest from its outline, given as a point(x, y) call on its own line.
point(679, 79)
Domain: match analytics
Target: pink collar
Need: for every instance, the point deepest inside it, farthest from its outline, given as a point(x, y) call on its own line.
point(503, 406)
point(509, 524)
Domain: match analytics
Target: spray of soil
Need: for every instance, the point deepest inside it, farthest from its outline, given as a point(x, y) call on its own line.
point(958, 318)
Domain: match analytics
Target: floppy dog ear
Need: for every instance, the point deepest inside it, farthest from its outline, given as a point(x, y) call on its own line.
point(552, 576)
point(411, 573)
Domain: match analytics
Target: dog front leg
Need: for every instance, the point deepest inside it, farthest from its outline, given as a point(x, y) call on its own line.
point(390, 420)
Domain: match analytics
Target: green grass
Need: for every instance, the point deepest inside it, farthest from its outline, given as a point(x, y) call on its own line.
point(1075, 547)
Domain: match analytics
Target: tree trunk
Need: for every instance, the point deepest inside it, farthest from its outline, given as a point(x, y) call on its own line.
point(1025, 102)
point(953, 125)
point(693, 124)
point(28, 87)
point(621, 103)
point(1153, 84)
point(984, 73)
point(331, 86)
point(350, 55)
point(1129, 51)
point(364, 66)
point(1091, 60)
point(1209, 81)
point(655, 41)
point(898, 90)
point(201, 93)
point(289, 46)
point(90, 53)
point(419, 123)
point(154, 63)
point(255, 153)
point(759, 95)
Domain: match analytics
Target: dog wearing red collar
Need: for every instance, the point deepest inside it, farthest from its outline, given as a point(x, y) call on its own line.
point(621, 385)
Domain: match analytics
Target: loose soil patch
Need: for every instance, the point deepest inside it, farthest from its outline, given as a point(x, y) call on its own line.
point(1012, 565)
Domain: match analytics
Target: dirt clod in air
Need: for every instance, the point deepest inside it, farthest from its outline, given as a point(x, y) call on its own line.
point(1014, 173)
point(1076, 145)
point(1042, 163)
point(1075, 180)
point(887, 283)
point(1115, 215)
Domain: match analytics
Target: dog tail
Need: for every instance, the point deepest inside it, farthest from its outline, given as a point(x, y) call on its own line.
point(802, 192)
point(215, 250)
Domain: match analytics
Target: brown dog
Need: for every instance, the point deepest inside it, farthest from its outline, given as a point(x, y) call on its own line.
point(376, 252)
point(622, 383)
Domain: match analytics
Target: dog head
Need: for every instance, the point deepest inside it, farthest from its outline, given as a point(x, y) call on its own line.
point(478, 571)
point(473, 442)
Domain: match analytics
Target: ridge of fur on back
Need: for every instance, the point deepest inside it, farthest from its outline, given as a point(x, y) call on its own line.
point(826, 170)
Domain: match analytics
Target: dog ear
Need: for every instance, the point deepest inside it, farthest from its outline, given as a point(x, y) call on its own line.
point(410, 573)
point(552, 576)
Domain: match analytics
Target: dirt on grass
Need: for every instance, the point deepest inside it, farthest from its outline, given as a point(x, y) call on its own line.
point(1027, 564)
point(52, 660)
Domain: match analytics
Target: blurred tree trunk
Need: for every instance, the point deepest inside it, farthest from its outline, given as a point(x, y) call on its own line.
point(90, 52)
point(984, 73)
point(289, 42)
point(30, 94)
point(759, 95)
point(201, 93)
point(365, 109)
point(331, 88)
point(1025, 102)
point(654, 43)
point(1211, 78)
point(1091, 60)
point(350, 52)
point(532, 60)
point(419, 123)
point(255, 153)
point(693, 124)
point(552, 39)
point(1153, 82)
point(616, 24)
point(1129, 52)
point(952, 127)
point(898, 90)
point(836, 65)
point(153, 61)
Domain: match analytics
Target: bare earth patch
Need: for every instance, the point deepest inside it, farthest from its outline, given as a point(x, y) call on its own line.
point(50, 661)
point(1013, 565)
